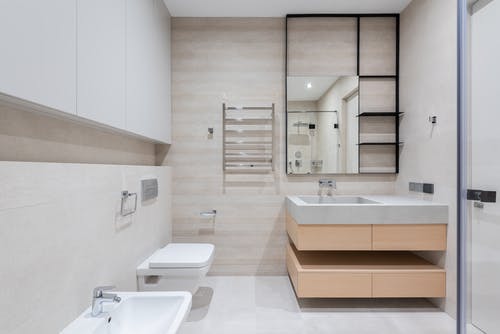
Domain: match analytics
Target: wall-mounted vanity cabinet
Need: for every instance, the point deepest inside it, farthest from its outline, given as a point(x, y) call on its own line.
point(362, 247)
point(106, 63)
point(342, 94)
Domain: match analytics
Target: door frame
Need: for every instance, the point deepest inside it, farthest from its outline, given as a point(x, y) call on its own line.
point(462, 170)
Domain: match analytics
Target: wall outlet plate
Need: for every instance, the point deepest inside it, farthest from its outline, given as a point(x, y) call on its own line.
point(427, 188)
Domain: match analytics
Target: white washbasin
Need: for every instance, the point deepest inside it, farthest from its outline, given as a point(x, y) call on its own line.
point(138, 312)
point(336, 200)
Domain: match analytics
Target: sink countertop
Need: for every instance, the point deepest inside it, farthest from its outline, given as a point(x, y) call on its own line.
point(388, 209)
point(386, 200)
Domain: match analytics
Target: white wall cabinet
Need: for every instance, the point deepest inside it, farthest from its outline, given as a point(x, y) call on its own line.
point(107, 61)
point(101, 61)
point(38, 53)
point(148, 69)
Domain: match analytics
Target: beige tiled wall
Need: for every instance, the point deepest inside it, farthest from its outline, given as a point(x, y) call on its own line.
point(61, 235)
point(314, 42)
point(428, 87)
point(241, 62)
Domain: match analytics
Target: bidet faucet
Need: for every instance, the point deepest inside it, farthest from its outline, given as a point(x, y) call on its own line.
point(327, 183)
point(99, 297)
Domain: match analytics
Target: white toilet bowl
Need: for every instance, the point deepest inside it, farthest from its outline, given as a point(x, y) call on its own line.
point(176, 267)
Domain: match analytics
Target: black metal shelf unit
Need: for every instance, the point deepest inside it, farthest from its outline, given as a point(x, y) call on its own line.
point(396, 113)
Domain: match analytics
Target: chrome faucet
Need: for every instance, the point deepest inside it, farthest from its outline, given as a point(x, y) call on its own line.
point(99, 297)
point(327, 183)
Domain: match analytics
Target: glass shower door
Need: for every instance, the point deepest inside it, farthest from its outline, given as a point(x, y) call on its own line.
point(484, 169)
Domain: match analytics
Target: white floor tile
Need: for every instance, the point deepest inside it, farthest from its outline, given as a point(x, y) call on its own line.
point(268, 305)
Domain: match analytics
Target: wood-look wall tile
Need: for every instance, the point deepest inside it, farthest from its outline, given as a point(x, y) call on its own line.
point(241, 62)
point(322, 46)
point(377, 46)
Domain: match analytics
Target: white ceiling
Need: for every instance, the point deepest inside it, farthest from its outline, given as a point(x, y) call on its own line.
point(297, 87)
point(279, 8)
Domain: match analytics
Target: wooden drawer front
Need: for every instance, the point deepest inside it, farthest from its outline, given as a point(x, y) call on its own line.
point(335, 237)
point(329, 237)
point(334, 285)
point(409, 237)
point(409, 285)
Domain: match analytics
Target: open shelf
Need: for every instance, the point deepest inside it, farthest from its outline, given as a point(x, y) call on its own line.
point(378, 114)
point(379, 143)
point(362, 261)
point(363, 274)
point(378, 76)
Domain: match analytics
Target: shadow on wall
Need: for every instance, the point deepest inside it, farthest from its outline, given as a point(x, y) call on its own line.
point(161, 151)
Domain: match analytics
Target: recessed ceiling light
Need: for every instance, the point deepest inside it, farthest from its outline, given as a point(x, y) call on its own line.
point(309, 85)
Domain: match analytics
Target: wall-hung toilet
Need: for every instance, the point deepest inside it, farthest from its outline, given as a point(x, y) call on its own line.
point(175, 267)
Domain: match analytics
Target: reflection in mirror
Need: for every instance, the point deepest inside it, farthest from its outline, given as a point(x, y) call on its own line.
point(322, 125)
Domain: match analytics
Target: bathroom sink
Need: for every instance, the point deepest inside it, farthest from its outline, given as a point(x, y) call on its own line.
point(364, 209)
point(138, 312)
point(336, 200)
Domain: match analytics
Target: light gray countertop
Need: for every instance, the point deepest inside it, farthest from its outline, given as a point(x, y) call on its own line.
point(366, 209)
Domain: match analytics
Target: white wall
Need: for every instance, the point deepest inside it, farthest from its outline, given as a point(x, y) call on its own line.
point(62, 235)
point(428, 87)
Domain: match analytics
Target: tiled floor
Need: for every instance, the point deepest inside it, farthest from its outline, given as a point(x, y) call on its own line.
point(260, 304)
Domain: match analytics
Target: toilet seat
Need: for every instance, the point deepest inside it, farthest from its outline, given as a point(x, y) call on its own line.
point(177, 255)
point(176, 266)
point(178, 259)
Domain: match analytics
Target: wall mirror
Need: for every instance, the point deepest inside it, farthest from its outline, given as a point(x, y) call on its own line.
point(342, 94)
point(322, 127)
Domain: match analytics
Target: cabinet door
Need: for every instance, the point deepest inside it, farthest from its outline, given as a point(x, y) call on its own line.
point(101, 61)
point(38, 57)
point(148, 69)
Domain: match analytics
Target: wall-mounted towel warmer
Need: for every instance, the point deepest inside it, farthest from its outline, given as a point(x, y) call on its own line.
point(248, 139)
